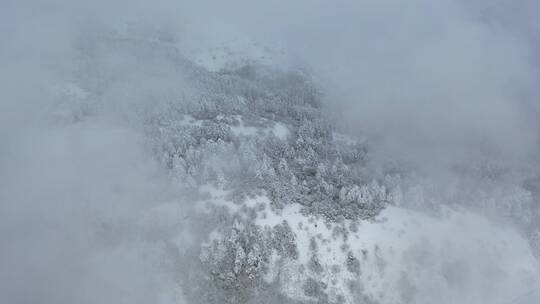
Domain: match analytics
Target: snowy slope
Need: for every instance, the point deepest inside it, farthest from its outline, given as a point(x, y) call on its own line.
point(402, 256)
point(235, 53)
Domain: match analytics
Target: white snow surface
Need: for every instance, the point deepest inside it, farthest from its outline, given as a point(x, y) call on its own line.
point(234, 52)
point(277, 129)
point(405, 257)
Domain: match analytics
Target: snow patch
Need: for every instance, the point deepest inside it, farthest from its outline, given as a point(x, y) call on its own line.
point(235, 53)
point(409, 257)
point(277, 129)
point(280, 130)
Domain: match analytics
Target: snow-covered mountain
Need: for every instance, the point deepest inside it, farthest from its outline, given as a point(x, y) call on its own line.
point(144, 163)
point(278, 203)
